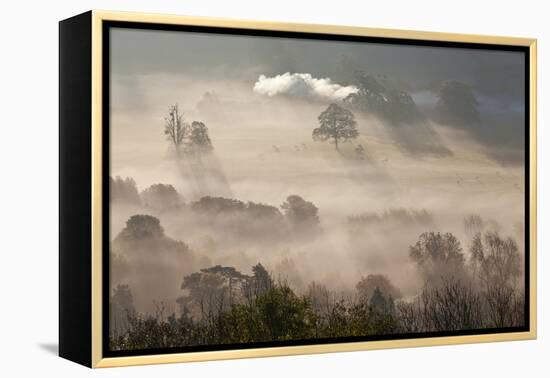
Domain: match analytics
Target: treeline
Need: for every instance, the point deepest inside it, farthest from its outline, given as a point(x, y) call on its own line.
point(457, 104)
point(396, 216)
point(295, 216)
point(159, 197)
point(165, 197)
point(220, 305)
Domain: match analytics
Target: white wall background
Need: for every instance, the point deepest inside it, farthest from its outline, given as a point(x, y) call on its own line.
point(29, 174)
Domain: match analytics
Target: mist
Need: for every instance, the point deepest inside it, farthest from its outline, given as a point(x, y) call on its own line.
point(252, 194)
point(264, 151)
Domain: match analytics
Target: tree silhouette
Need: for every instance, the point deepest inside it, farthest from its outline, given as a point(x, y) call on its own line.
point(198, 136)
point(121, 308)
point(174, 127)
point(262, 279)
point(161, 197)
point(496, 259)
point(377, 95)
point(457, 104)
point(124, 190)
point(368, 285)
point(438, 255)
point(141, 226)
point(336, 124)
point(377, 300)
point(300, 212)
point(193, 138)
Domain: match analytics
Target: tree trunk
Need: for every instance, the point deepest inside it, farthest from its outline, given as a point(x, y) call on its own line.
point(336, 143)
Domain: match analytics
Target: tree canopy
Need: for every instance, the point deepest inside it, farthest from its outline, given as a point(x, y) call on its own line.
point(457, 104)
point(368, 285)
point(198, 136)
point(379, 97)
point(299, 211)
point(161, 197)
point(124, 190)
point(141, 226)
point(438, 255)
point(336, 124)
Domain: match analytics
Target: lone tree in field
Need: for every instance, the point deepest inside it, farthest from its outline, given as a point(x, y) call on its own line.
point(174, 127)
point(336, 124)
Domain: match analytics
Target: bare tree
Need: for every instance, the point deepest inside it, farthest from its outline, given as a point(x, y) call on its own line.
point(451, 306)
point(496, 259)
point(473, 224)
point(501, 306)
point(174, 127)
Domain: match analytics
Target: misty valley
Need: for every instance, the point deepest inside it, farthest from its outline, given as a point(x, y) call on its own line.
point(182, 298)
point(288, 196)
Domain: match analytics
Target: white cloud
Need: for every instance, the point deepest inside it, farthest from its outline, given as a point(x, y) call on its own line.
point(302, 85)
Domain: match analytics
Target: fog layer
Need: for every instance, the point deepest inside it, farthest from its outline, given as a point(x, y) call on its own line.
point(375, 194)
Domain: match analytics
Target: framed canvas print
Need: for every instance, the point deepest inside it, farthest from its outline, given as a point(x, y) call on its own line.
point(235, 189)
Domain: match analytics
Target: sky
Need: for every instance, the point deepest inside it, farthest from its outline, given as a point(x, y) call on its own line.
point(147, 52)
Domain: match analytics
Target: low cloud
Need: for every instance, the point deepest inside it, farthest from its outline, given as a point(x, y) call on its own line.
point(302, 85)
